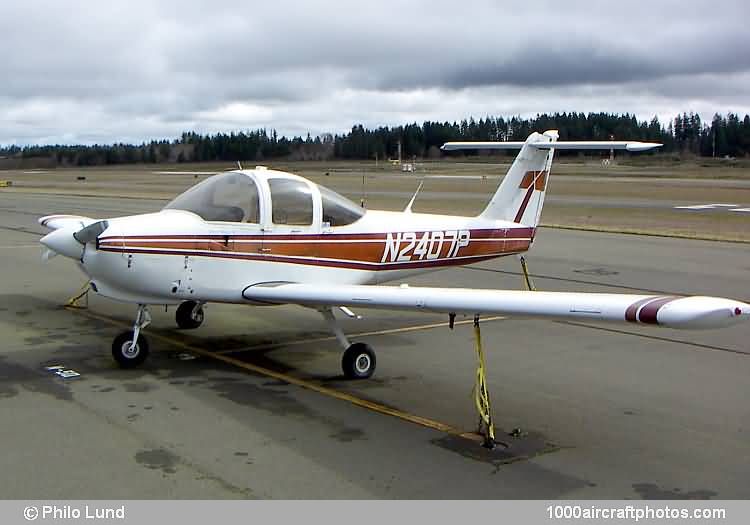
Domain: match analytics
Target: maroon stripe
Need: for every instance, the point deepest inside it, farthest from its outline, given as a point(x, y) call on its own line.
point(484, 233)
point(648, 313)
point(525, 203)
point(632, 310)
point(339, 264)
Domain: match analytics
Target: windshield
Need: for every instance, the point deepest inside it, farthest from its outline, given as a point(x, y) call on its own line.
point(338, 210)
point(228, 197)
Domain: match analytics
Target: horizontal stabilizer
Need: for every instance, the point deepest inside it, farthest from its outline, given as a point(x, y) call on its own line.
point(559, 145)
point(671, 311)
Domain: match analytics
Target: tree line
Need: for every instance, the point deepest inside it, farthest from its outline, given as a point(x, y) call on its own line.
point(686, 134)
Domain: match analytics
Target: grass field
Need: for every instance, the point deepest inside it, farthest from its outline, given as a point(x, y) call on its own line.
point(631, 196)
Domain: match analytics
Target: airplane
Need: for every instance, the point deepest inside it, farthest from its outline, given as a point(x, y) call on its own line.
point(265, 237)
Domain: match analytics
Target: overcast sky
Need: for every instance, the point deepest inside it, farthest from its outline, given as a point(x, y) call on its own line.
point(84, 72)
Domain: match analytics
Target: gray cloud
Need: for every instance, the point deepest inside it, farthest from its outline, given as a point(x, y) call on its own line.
point(81, 71)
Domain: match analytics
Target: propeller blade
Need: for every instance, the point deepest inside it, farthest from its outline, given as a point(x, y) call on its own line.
point(91, 232)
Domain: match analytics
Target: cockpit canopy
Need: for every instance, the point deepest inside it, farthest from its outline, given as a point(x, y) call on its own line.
point(228, 197)
point(237, 197)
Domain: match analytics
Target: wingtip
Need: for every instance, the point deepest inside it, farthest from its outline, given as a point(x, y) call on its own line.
point(643, 146)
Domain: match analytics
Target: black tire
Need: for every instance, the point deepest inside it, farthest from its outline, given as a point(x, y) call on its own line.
point(121, 350)
point(358, 361)
point(185, 318)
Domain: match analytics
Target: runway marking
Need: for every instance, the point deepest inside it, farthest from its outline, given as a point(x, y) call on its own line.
point(705, 206)
point(266, 346)
point(713, 207)
point(309, 385)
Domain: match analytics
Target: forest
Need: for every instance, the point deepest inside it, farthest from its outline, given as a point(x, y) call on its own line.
point(685, 135)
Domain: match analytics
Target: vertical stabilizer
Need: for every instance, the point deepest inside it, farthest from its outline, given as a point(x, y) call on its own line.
point(520, 196)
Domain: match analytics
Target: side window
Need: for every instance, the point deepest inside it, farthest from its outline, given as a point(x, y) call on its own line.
point(291, 202)
point(337, 209)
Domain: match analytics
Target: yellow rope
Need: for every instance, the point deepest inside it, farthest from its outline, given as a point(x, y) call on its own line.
point(481, 393)
point(83, 293)
point(529, 285)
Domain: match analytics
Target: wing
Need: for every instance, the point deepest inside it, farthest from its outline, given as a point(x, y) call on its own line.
point(670, 311)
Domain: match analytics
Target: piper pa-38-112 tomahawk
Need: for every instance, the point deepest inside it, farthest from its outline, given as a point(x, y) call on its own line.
point(265, 237)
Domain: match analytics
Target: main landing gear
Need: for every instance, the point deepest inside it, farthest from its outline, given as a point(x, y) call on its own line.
point(189, 315)
point(130, 348)
point(358, 360)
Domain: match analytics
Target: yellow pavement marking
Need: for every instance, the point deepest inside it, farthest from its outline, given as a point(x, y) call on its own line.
point(311, 385)
point(266, 346)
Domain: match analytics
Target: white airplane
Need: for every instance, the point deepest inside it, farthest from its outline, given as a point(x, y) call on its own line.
point(265, 237)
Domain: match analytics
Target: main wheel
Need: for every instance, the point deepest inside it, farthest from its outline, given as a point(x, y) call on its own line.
point(124, 355)
point(188, 316)
point(358, 361)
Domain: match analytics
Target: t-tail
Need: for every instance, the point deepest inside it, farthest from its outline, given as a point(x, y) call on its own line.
point(520, 196)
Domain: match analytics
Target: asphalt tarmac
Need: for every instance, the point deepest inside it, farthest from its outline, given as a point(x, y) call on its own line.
point(603, 411)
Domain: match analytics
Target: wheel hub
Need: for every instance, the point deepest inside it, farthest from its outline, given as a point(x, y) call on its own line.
point(362, 363)
point(129, 350)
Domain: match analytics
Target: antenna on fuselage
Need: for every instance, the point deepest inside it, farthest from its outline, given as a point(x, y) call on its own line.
point(239, 165)
point(414, 197)
point(364, 190)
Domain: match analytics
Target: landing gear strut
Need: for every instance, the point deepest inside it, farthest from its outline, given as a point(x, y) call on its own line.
point(358, 360)
point(189, 315)
point(130, 348)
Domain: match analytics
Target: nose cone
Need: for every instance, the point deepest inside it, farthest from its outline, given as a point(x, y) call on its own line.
point(62, 241)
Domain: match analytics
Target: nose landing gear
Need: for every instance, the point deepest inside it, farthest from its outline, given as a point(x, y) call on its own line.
point(130, 348)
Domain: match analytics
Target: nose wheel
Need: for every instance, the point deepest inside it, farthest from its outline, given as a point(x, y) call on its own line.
point(130, 349)
point(127, 354)
point(189, 315)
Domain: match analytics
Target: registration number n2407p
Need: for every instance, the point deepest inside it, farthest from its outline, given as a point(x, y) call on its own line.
point(408, 246)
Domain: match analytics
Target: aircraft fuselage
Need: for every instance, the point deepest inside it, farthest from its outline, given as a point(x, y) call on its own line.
point(172, 256)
